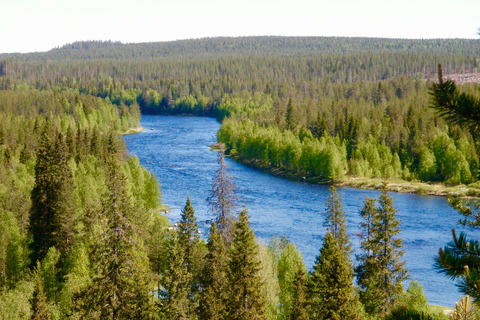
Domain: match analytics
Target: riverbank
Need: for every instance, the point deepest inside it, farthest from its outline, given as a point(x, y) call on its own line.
point(134, 130)
point(395, 185)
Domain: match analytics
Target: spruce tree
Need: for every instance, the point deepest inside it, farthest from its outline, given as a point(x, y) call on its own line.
point(335, 221)
point(222, 200)
point(53, 202)
point(331, 290)
point(188, 239)
point(244, 284)
point(290, 119)
point(174, 300)
point(213, 299)
point(381, 273)
point(121, 285)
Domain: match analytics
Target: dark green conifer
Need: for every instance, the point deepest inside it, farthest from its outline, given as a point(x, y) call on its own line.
point(175, 301)
point(332, 291)
point(300, 303)
point(213, 299)
point(188, 239)
point(381, 273)
point(290, 118)
point(244, 281)
point(335, 221)
point(53, 202)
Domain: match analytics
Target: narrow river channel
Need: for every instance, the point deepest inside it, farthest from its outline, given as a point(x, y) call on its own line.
point(177, 150)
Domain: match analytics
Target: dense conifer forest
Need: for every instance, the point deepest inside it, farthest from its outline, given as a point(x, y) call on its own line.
point(81, 230)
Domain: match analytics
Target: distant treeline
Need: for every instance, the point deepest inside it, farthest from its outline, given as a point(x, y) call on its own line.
point(260, 46)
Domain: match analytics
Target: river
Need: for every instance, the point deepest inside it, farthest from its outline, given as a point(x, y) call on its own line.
point(176, 150)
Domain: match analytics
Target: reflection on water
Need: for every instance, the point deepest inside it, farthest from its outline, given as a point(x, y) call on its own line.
point(177, 152)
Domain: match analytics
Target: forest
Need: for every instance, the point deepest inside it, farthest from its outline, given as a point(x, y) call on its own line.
point(82, 231)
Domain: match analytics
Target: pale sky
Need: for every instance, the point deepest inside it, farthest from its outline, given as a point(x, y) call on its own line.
point(40, 25)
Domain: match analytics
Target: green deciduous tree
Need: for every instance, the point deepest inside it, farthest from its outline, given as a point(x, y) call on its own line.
point(290, 264)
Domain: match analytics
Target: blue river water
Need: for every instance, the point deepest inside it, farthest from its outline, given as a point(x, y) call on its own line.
point(176, 150)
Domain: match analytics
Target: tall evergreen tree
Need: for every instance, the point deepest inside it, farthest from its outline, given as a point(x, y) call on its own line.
point(299, 309)
point(188, 239)
point(213, 299)
point(335, 221)
point(222, 200)
point(290, 118)
point(245, 287)
point(381, 272)
point(121, 285)
point(53, 202)
point(174, 300)
point(331, 290)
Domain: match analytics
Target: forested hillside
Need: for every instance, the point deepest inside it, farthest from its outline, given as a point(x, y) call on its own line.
point(81, 234)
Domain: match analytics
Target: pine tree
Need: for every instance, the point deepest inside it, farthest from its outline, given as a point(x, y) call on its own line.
point(222, 200)
point(332, 292)
point(121, 285)
point(381, 273)
point(213, 299)
point(460, 108)
point(245, 299)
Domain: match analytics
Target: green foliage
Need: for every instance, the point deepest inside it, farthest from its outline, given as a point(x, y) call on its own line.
point(269, 280)
point(214, 297)
point(175, 298)
point(455, 106)
point(52, 213)
point(40, 308)
point(458, 260)
point(380, 272)
point(290, 264)
point(335, 222)
point(246, 300)
point(300, 299)
point(121, 283)
point(331, 289)
point(15, 303)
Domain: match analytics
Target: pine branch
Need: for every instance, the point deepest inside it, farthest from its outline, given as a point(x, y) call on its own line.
point(455, 107)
